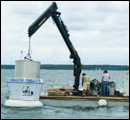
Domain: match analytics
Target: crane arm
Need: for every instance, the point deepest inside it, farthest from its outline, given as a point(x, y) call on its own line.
point(41, 19)
point(52, 12)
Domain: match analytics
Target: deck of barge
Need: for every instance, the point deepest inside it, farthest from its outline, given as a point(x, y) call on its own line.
point(86, 98)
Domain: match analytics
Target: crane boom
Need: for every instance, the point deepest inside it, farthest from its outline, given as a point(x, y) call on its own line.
point(52, 12)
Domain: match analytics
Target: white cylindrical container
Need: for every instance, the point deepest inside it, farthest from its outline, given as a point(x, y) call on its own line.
point(126, 84)
point(27, 69)
point(25, 88)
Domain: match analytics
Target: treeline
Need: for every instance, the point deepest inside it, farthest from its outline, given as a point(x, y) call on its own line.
point(70, 67)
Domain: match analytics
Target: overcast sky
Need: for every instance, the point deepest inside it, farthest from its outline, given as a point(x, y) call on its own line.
point(98, 30)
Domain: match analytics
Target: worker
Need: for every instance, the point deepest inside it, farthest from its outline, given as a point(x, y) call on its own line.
point(105, 80)
point(85, 84)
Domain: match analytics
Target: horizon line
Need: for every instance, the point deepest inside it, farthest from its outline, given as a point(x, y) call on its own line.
point(72, 64)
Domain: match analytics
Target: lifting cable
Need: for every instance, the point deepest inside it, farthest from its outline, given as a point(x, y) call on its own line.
point(28, 56)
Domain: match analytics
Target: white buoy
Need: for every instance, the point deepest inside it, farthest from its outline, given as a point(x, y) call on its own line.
point(25, 88)
point(102, 103)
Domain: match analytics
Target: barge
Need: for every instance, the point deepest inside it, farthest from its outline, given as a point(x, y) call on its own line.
point(88, 101)
point(57, 98)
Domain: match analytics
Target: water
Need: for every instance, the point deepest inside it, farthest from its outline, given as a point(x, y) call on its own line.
point(61, 78)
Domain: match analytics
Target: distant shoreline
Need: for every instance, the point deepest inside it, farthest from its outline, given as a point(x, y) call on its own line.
point(70, 67)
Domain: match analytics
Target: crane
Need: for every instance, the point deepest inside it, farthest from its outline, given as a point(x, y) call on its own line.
point(51, 11)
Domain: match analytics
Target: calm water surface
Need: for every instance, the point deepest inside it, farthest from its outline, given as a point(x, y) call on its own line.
point(61, 78)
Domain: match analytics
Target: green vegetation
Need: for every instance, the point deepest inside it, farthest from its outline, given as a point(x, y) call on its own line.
point(69, 67)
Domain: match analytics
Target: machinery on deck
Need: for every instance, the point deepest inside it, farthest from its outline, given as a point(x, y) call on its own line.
point(52, 12)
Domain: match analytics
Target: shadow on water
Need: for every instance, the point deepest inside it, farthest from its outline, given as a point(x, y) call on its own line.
point(85, 109)
point(79, 108)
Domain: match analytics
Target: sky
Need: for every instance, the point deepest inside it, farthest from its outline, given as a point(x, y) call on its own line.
point(99, 31)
